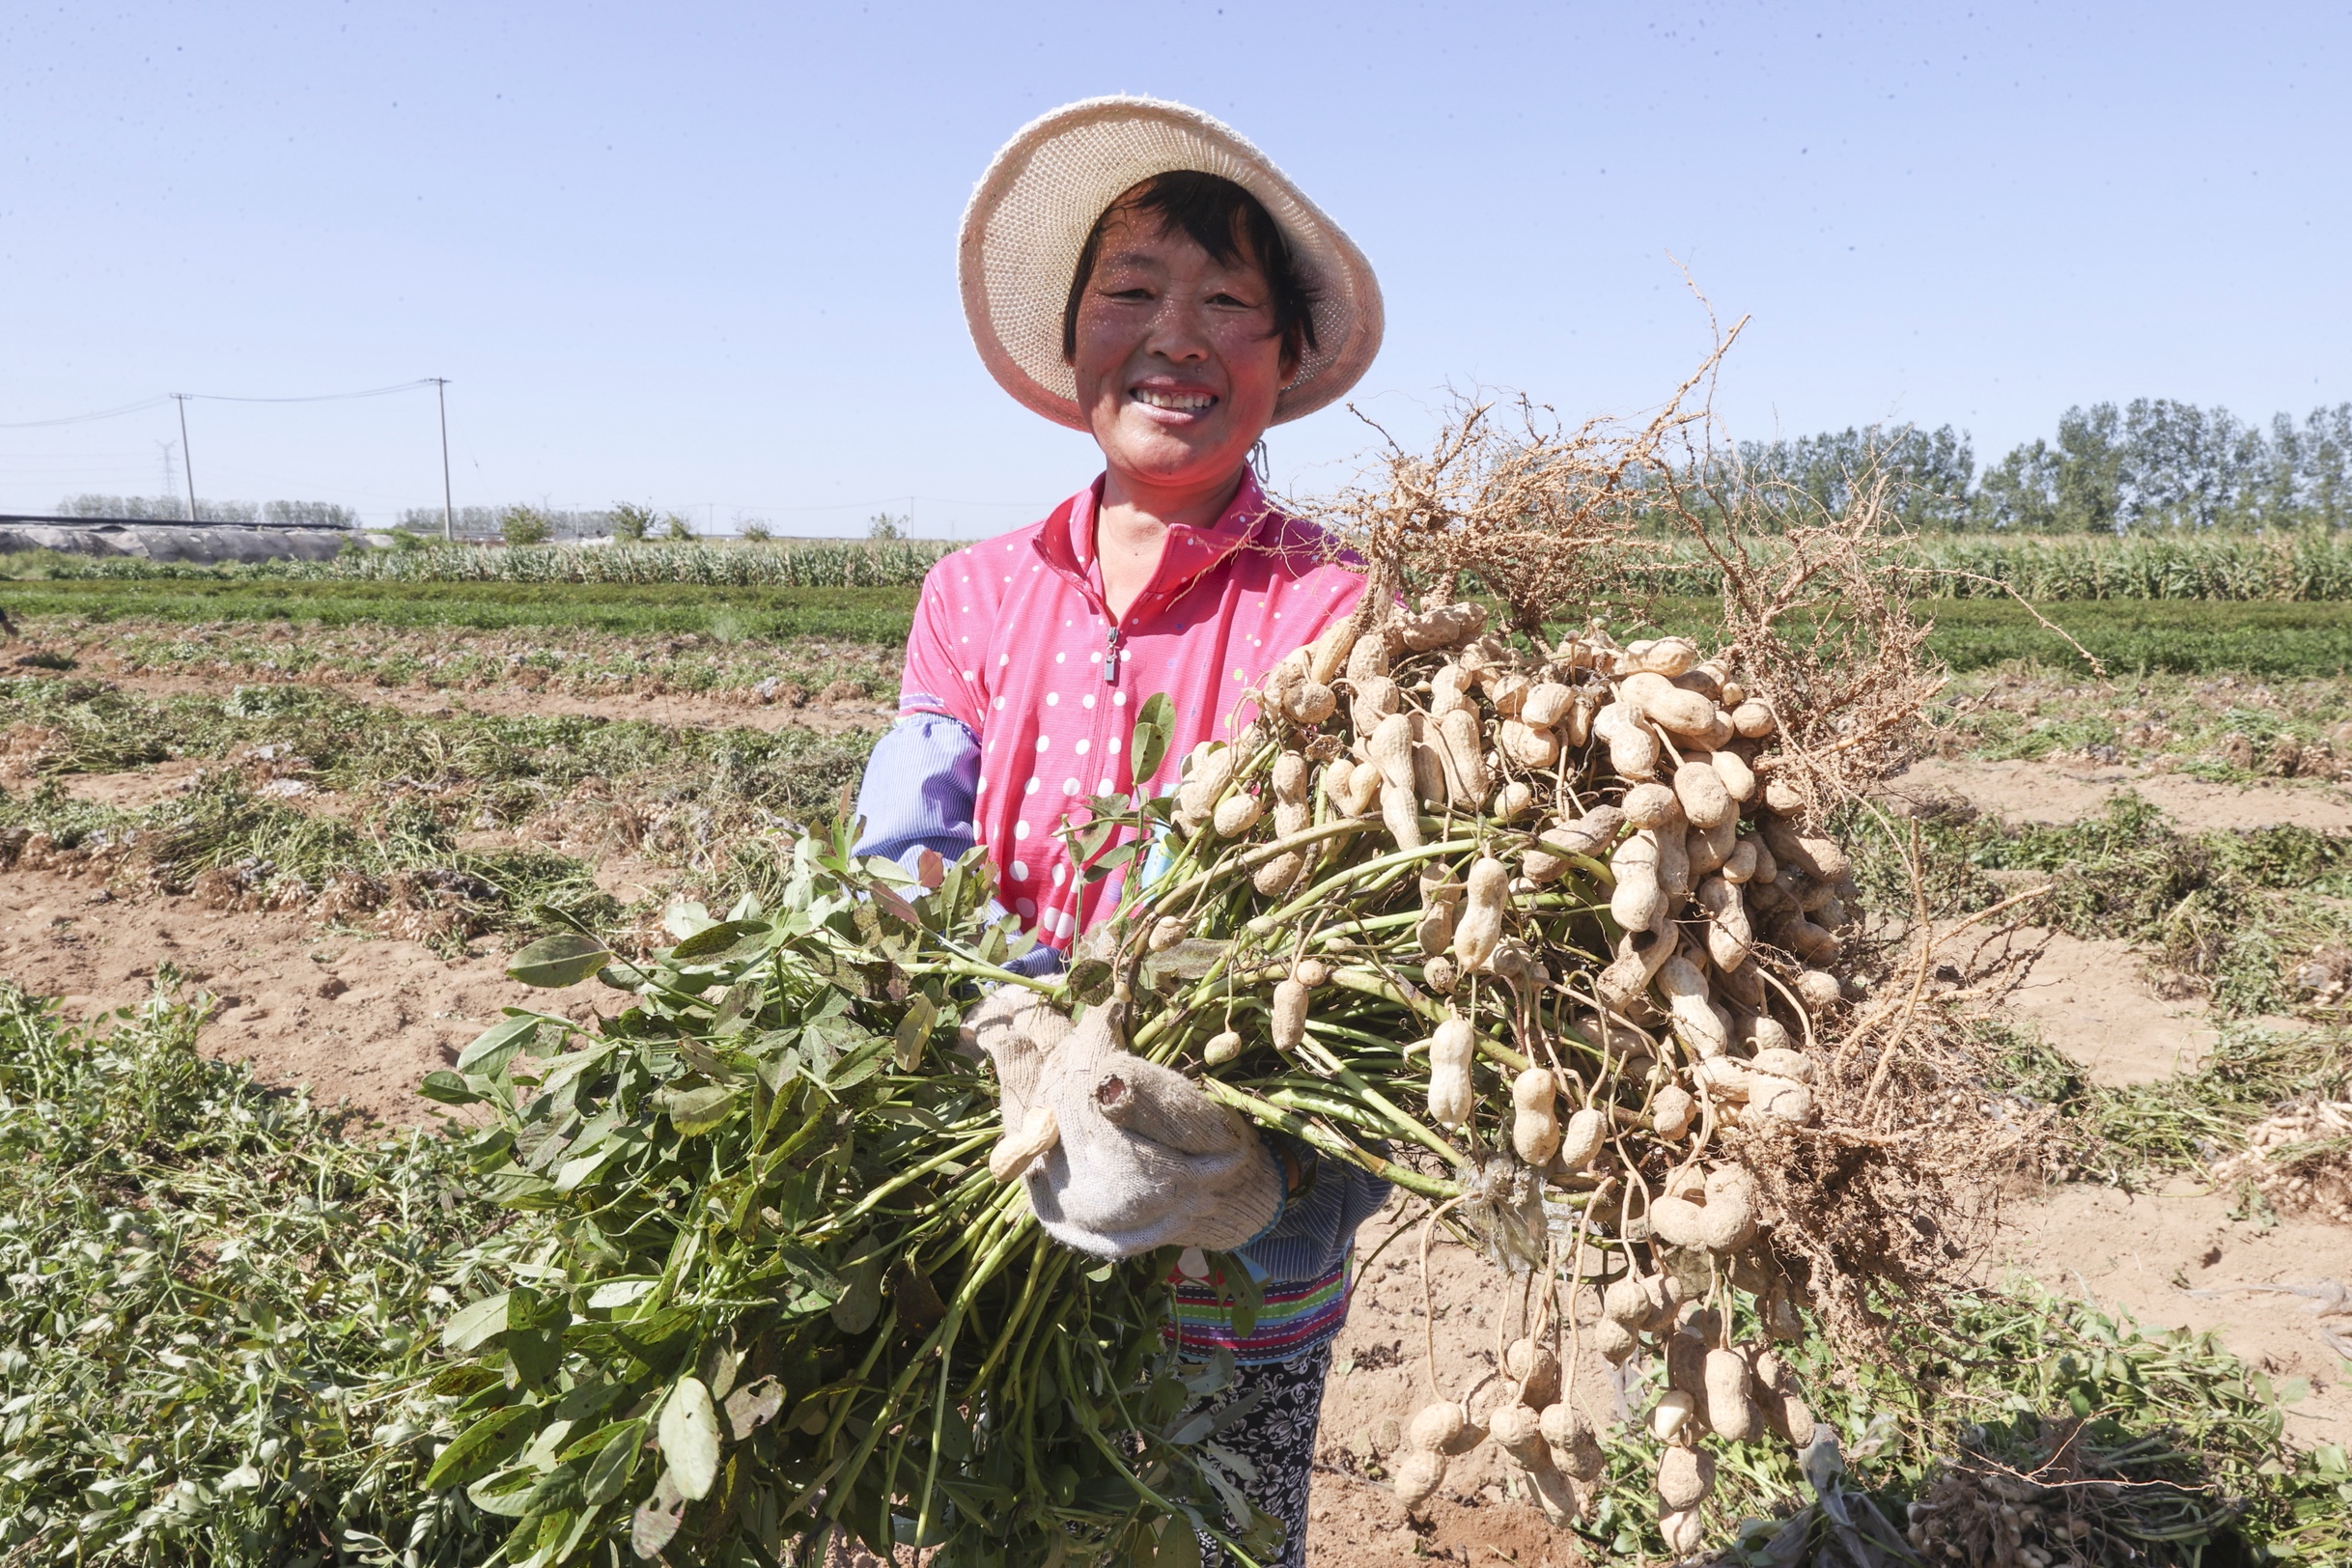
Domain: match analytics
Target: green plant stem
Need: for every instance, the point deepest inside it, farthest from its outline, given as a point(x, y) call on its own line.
point(1326, 1141)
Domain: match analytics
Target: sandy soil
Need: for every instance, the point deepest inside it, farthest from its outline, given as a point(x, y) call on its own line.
point(2176, 1259)
point(350, 1017)
point(2054, 793)
point(2093, 1001)
point(1379, 1376)
point(133, 791)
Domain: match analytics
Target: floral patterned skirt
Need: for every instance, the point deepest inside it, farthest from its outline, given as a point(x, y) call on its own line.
point(1277, 1441)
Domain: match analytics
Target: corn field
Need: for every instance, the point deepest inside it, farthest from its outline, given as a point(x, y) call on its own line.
point(2283, 566)
point(2300, 566)
point(819, 563)
point(825, 563)
point(2226, 567)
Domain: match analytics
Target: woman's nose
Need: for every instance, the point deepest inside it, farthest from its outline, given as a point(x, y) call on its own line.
point(1179, 331)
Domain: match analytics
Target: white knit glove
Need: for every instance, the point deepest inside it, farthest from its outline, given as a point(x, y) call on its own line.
point(1121, 1155)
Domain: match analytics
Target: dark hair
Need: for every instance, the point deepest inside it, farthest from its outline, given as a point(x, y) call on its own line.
point(1223, 219)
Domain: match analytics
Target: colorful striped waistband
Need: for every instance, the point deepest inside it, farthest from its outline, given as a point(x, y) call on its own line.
point(1293, 1317)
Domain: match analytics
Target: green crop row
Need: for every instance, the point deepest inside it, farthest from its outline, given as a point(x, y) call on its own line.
point(2291, 565)
point(871, 615)
point(816, 563)
point(2126, 635)
point(2302, 565)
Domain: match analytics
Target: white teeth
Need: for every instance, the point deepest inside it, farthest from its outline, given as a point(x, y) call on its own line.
point(1183, 401)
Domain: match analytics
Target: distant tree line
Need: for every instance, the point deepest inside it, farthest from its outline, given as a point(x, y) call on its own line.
point(174, 509)
point(536, 523)
point(627, 521)
point(2152, 463)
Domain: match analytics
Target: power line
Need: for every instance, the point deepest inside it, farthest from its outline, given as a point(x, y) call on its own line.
point(324, 397)
point(161, 399)
point(83, 419)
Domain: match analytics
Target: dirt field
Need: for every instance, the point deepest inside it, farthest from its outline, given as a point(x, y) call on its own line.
point(352, 1012)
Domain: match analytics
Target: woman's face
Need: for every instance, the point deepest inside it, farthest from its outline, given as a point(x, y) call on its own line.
point(1178, 365)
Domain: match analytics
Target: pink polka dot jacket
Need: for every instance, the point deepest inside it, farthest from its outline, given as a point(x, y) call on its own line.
point(1012, 641)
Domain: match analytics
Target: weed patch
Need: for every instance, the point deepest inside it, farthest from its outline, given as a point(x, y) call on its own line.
point(2226, 914)
point(2032, 1421)
point(727, 661)
point(2131, 1136)
point(343, 809)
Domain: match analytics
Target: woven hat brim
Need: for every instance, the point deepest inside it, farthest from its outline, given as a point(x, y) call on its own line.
point(1031, 212)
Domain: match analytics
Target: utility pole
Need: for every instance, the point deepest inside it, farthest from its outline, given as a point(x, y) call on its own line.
point(187, 458)
point(449, 526)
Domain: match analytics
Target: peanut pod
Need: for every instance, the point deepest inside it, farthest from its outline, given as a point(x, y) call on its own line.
point(1451, 1049)
point(1535, 1124)
point(1633, 750)
point(1289, 999)
point(1665, 705)
point(1705, 801)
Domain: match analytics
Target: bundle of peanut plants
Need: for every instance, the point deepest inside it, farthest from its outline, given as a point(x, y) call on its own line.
point(1548, 929)
point(1540, 924)
point(787, 1297)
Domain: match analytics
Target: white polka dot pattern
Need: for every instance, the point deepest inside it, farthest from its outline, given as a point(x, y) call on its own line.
point(1207, 628)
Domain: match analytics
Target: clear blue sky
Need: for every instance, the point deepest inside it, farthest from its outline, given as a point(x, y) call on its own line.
point(702, 255)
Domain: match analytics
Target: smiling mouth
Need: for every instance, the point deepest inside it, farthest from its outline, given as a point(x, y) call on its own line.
point(1176, 402)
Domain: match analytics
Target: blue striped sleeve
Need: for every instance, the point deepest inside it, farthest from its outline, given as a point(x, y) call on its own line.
point(917, 795)
point(918, 790)
point(1317, 1227)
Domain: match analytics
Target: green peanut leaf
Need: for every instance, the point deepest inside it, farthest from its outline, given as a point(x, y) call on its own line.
point(1177, 1546)
point(483, 1448)
point(615, 1292)
point(855, 1308)
point(448, 1088)
point(458, 1381)
point(1090, 981)
point(914, 1027)
point(689, 1437)
point(507, 1494)
point(494, 1046)
point(1155, 722)
point(475, 1326)
point(724, 943)
point(698, 1110)
point(535, 1333)
point(617, 1456)
point(565, 959)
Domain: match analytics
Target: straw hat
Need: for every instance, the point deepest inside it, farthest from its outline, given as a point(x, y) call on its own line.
point(1032, 210)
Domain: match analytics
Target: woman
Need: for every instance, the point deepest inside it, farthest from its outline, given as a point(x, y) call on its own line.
point(1135, 270)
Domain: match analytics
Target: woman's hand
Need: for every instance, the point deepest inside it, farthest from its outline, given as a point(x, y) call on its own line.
point(1121, 1155)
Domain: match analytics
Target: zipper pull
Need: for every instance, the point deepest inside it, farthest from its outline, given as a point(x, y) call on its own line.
point(1110, 656)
